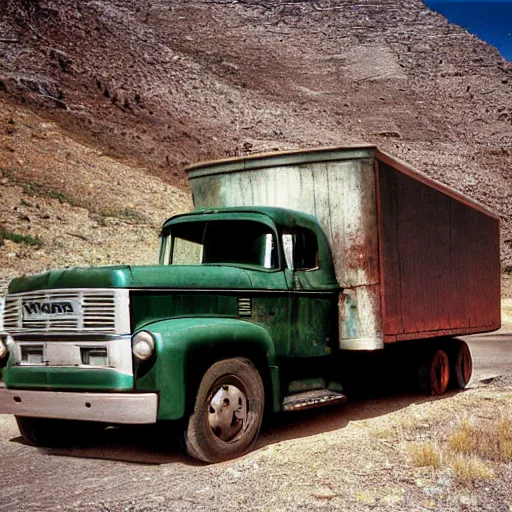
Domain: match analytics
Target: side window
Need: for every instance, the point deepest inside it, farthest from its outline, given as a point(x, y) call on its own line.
point(300, 248)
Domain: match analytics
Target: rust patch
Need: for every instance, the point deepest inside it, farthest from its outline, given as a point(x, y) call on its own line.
point(440, 261)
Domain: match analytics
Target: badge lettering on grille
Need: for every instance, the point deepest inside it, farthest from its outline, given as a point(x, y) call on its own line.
point(47, 310)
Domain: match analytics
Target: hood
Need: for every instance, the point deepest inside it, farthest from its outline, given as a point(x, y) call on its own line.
point(126, 276)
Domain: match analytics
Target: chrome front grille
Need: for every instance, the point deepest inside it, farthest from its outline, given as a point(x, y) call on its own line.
point(66, 311)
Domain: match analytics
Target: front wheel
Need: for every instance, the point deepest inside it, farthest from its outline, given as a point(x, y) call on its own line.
point(228, 411)
point(55, 433)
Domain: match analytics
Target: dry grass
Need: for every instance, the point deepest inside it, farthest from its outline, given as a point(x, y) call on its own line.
point(469, 451)
point(488, 439)
point(426, 454)
point(468, 469)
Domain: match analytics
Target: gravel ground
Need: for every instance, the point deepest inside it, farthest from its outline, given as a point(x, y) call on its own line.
point(354, 457)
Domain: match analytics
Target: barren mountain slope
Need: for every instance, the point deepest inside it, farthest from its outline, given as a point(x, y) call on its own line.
point(164, 83)
point(65, 204)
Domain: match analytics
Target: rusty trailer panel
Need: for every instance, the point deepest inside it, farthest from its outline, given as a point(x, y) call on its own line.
point(439, 261)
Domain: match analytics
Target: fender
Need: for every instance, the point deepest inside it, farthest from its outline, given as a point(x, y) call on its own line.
point(187, 346)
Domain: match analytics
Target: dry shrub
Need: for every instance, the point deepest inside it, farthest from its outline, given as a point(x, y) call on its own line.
point(425, 454)
point(468, 469)
point(464, 439)
point(489, 439)
point(504, 440)
point(469, 450)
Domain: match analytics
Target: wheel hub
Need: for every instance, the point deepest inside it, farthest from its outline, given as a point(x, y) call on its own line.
point(227, 412)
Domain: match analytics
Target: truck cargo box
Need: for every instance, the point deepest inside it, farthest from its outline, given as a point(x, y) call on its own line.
point(414, 258)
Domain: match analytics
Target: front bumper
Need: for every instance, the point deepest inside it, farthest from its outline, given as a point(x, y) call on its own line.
point(63, 366)
point(127, 408)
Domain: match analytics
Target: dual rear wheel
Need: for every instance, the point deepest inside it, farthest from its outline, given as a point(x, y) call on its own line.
point(444, 368)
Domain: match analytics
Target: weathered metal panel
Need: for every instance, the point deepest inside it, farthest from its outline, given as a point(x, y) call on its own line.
point(360, 318)
point(439, 260)
point(339, 189)
point(478, 264)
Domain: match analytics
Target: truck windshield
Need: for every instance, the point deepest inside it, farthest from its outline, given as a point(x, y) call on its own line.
point(221, 242)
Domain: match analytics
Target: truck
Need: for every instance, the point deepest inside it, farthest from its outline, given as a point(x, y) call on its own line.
point(294, 271)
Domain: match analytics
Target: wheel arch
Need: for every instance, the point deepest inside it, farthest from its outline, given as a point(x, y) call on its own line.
point(186, 348)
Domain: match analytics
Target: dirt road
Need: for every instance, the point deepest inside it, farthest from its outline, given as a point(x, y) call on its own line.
point(312, 460)
point(492, 354)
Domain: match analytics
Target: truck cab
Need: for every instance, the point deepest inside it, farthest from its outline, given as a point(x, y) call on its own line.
point(240, 313)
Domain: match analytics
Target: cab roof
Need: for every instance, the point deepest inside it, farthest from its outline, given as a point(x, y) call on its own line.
point(280, 216)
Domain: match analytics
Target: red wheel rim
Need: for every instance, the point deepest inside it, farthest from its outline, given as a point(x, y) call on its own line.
point(439, 373)
point(464, 365)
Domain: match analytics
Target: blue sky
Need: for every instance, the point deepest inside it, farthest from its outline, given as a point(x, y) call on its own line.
point(492, 22)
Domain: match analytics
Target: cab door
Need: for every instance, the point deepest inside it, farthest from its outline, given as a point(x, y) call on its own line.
point(313, 306)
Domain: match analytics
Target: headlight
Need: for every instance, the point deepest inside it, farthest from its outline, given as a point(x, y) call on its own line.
point(143, 345)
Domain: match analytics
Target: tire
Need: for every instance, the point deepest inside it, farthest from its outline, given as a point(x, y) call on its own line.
point(434, 373)
point(461, 365)
point(228, 411)
point(55, 433)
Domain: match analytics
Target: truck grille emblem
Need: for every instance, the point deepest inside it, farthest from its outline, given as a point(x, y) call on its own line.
point(42, 310)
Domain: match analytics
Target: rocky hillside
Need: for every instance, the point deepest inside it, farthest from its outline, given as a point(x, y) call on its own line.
point(104, 102)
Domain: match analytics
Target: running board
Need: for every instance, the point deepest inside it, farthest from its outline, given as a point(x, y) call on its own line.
point(310, 399)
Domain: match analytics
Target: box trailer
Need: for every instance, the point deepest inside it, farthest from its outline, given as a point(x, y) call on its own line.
point(414, 259)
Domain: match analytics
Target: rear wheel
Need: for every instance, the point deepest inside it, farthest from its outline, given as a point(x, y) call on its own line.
point(228, 411)
point(434, 373)
point(461, 365)
point(53, 433)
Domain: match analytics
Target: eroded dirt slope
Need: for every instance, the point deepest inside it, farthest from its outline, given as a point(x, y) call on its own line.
point(164, 83)
point(71, 204)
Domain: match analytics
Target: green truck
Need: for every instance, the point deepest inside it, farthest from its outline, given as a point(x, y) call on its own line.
point(293, 271)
